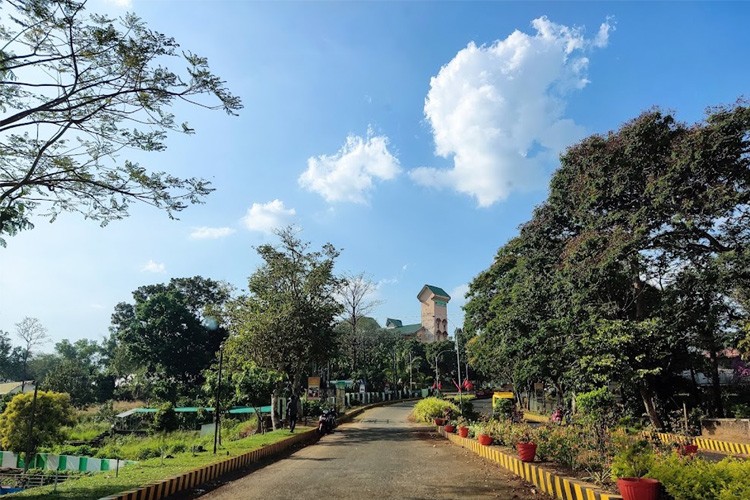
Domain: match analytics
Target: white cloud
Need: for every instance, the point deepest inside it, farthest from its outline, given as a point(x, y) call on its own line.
point(210, 233)
point(153, 267)
point(123, 4)
point(459, 293)
point(498, 110)
point(349, 174)
point(267, 216)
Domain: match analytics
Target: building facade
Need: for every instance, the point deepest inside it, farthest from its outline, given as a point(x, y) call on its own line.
point(434, 326)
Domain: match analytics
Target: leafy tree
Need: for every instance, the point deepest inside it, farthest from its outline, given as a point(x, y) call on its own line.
point(286, 322)
point(51, 412)
point(79, 90)
point(170, 334)
point(165, 419)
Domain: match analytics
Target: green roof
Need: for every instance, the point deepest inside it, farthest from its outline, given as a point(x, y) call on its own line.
point(194, 409)
point(438, 291)
point(409, 329)
point(393, 322)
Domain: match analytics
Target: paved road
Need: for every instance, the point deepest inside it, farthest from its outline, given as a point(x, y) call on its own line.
point(380, 455)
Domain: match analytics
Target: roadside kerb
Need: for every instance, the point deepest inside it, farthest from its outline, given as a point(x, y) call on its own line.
point(704, 444)
point(166, 487)
point(561, 487)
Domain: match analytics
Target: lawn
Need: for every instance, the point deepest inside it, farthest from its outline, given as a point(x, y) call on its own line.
point(105, 483)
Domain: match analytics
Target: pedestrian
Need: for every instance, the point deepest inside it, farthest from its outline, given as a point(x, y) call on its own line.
point(291, 412)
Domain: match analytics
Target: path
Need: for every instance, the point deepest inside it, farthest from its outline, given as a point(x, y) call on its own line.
point(381, 455)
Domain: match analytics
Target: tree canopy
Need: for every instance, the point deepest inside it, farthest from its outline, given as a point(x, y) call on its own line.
point(78, 91)
point(635, 262)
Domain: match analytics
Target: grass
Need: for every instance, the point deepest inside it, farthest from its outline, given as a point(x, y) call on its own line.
point(105, 483)
point(85, 431)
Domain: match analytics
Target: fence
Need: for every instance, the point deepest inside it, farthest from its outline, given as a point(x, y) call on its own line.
point(48, 461)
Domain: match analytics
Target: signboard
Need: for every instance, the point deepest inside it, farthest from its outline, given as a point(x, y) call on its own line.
point(313, 388)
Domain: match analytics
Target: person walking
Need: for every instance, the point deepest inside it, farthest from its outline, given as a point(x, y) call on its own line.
point(291, 412)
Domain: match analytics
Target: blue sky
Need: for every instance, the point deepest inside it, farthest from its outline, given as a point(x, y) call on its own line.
point(414, 136)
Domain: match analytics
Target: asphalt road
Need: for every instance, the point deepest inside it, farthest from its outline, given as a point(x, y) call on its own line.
point(380, 455)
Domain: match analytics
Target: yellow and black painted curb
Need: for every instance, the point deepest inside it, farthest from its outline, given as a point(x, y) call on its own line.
point(559, 487)
point(704, 444)
point(165, 487)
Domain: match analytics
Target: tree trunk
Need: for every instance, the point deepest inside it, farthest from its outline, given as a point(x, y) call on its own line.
point(648, 402)
point(716, 383)
point(274, 402)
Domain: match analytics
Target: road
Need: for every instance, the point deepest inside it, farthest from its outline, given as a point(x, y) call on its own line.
point(380, 455)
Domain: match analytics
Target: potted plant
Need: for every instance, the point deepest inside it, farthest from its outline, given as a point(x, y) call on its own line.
point(439, 421)
point(450, 426)
point(630, 465)
point(525, 444)
point(482, 433)
point(463, 427)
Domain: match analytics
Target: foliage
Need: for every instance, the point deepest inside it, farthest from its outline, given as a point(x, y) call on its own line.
point(635, 458)
point(428, 409)
point(52, 411)
point(699, 479)
point(171, 333)
point(72, 88)
point(286, 322)
point(85, 431)
point(633, 267)
point(165, 419)
point(503, 408)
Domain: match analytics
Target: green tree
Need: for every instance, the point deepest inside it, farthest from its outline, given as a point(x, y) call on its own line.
point(286, 322)
point(171, 333)
point(355, 296)
point(79, 90)
point(51, 412)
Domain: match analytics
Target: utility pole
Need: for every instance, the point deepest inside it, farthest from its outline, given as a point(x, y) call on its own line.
point(458, 367)
point(217, 415)
point(30, 443)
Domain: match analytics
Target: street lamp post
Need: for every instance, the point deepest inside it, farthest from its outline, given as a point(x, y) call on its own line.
point(437, 373)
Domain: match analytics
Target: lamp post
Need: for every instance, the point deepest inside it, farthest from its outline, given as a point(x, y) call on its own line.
point(217, 415)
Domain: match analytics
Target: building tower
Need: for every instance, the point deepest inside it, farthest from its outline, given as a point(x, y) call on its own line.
point(434, 314)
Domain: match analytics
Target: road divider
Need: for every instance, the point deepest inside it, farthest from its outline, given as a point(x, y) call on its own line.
point(549, 482)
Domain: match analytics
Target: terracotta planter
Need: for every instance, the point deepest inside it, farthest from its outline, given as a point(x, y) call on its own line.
point(526, 451)
point(484, 439)
point(463, 431)
point(688, 449)
point(638, 488)
point(439, 421)
point(450, 428)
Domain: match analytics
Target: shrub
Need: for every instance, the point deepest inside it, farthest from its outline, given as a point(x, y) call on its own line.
point(165, 419)
point(634, 459)
point(312, 408)
point(430, 408)
point(503, 408)
point(698, 479)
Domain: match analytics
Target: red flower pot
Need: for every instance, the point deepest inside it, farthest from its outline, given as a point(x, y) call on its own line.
point(688, 449)
point(439, 421)
point(450, 428)
point(463, 431)
point(484, 439)
point(526, 451)
point(638, 488)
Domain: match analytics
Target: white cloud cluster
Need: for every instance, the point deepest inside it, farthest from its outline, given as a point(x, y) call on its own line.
point(210, 233)
point(498, 110)
point(349, 175)
point(123, 4)
point(265, 217)
point(153, 267)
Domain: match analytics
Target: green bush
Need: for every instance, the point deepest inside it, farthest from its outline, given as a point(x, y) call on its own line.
point(430, 408)
point(635, 458)
point(312, 408)
point(698, 479)
point(503, 408)
point(165, 419)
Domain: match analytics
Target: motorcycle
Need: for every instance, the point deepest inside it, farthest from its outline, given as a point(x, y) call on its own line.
point(326, 422)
